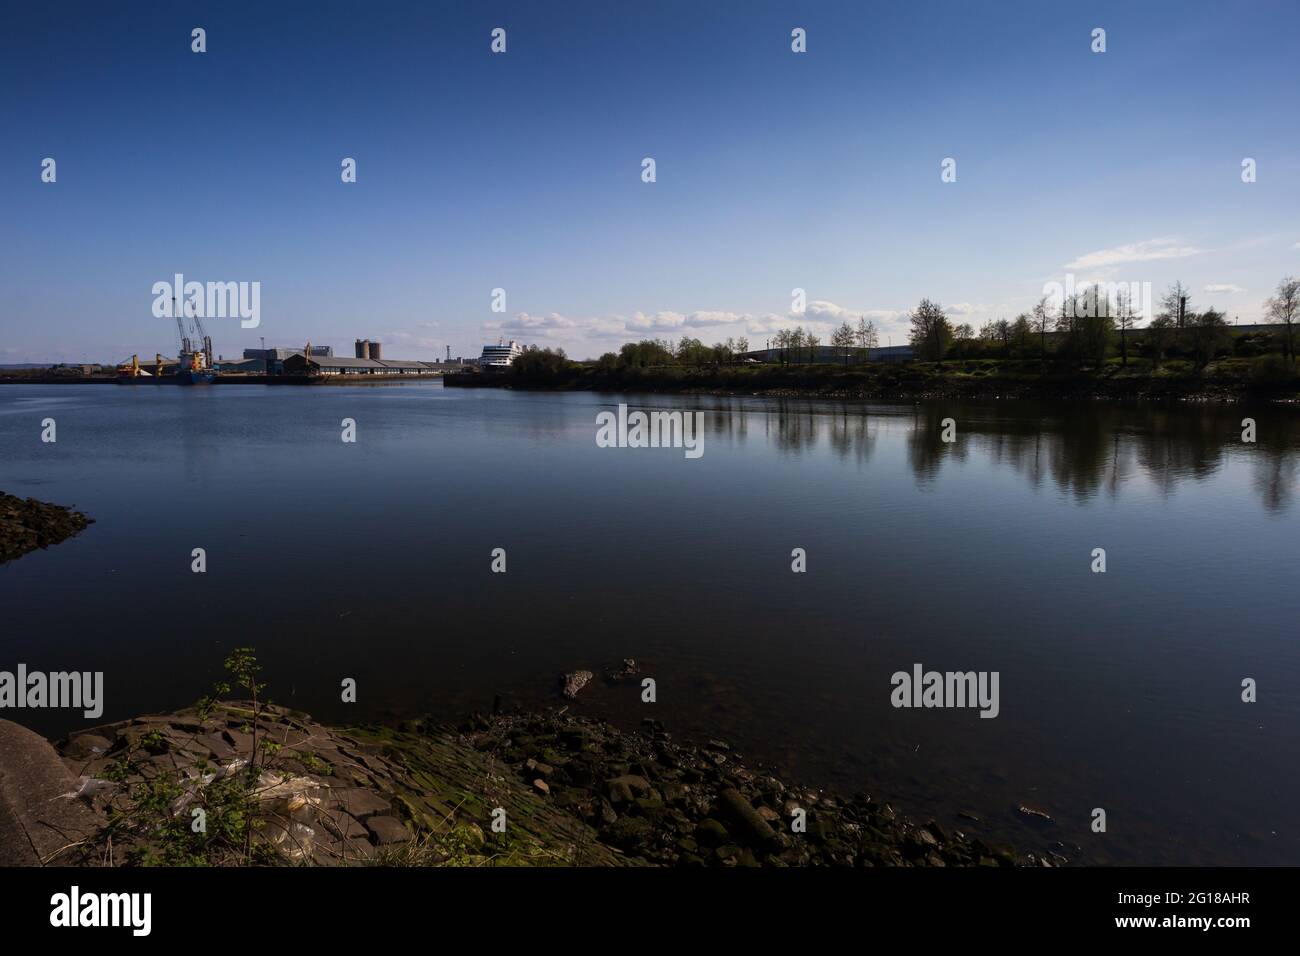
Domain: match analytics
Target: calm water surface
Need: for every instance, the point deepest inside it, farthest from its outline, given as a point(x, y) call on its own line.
point(1118, 690)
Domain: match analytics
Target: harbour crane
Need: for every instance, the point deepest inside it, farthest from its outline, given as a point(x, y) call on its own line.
point(194, 361)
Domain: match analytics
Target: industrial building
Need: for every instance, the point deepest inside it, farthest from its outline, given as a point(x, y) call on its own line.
point(309, 360)
point(269, 361)
point(242, 366)
point(367, 361)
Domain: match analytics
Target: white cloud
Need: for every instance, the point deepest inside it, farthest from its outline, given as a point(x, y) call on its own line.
point(965, 308)
point(819, 310)
point(1221, 288)
point(595, 334)
point(1146, 251)
point(619, 328)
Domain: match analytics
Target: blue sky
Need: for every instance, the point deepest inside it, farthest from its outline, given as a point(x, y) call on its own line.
point(522, 171)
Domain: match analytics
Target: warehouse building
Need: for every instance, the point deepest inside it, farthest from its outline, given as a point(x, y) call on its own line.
point(271, 361)
point(299, 364)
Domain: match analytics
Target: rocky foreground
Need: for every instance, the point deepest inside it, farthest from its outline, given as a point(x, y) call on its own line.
point(537, 788)
point(27, 524)
point(665, 803)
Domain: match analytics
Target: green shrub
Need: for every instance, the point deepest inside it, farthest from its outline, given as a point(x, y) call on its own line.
point(1271, 370)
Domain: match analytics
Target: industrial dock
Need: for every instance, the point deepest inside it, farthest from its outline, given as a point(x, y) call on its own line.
point(311, 364)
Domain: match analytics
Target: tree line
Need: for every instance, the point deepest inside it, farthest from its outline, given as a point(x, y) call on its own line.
point(1088, 325)
point(1086, 328)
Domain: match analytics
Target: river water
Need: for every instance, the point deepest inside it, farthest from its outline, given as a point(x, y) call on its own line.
point(372, 560)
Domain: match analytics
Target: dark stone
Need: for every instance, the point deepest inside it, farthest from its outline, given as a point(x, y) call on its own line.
point(360, 803)
point(709, 832)
point(86, 745)
point(627, 788)
point(607, 814)
point(385, 830)
point(573, 682)
point(538, 769)
point(750, 826)
point(820, 827)
point(619, 793)
point(649, 806)
point(575, 738)
point(629, 832)
point(27, 524)
point(1035, 814)
point(623, 673)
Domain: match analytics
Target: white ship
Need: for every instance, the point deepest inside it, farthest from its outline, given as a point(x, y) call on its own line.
point(499, 356)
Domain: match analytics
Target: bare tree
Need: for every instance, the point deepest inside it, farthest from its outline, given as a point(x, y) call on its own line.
point(1095, 326)
point(1021, 330)
point(843, 338)
point(1174, 304)
point(1068, 324)
point(1125, 318)
point(1284, 308)
point(1040, 320)
point(868, 338)
point(1002, 328)
point(778, 343)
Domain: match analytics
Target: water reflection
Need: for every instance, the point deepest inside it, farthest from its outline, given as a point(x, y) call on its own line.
point(1082, 449)
point(791, 668)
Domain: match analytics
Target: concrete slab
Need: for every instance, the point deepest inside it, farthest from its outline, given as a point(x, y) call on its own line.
point(37, 822)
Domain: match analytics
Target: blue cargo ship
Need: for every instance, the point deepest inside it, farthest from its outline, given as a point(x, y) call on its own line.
point(196, 376)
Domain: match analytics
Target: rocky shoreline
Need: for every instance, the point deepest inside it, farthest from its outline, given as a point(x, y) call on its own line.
point(517, 789)
point(27, 524)
point(679, 804)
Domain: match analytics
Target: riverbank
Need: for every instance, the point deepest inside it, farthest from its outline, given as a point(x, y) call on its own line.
point(1229, 380)
point(541, 788)
point(238, 378)
point(27, 524)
